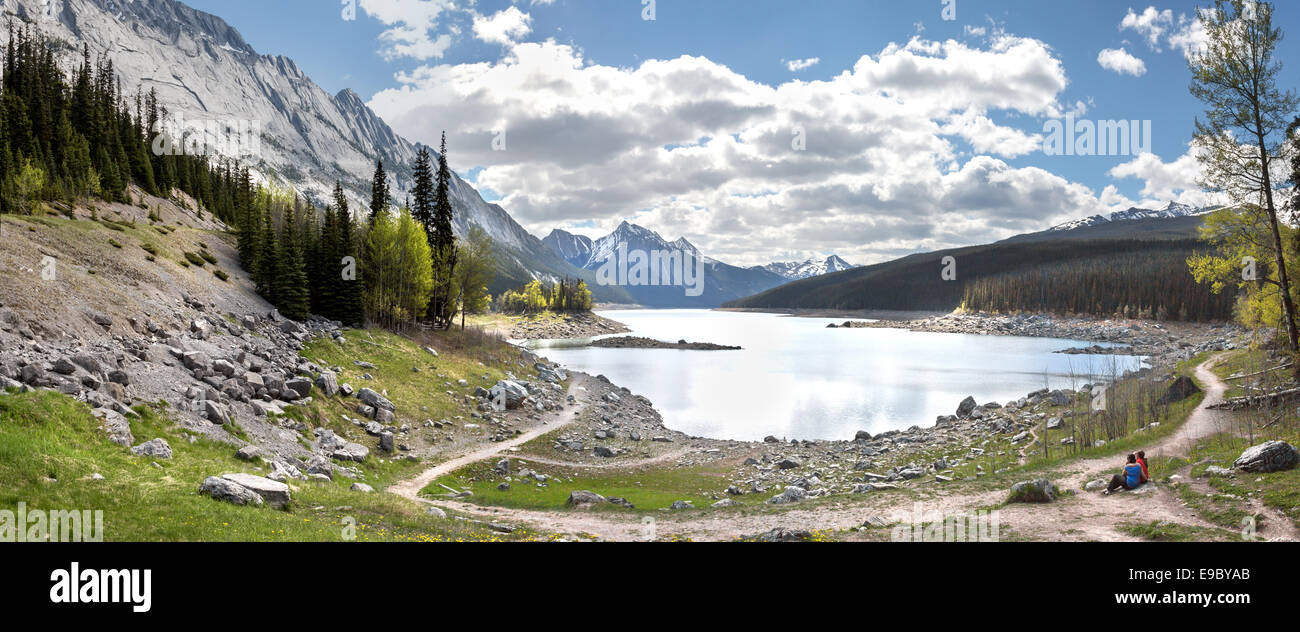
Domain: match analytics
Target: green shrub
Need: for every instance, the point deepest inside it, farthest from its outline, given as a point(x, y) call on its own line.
point(208, 257)
point(194, 259)
point(114, 243)
point(220, 274)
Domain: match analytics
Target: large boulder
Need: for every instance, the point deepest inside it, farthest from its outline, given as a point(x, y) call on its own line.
point(1271, 456)
point(966, 406)
point(328, 383)
point(1036, 491)
point(116, 425)
point(352, 452)
point(509, 392)
point(584, 498)
point(156, 448)
point(229, 491)
point(1181, 389)
point(275, 494)
point(375, 400)
point(299, 385)
point(790, 494)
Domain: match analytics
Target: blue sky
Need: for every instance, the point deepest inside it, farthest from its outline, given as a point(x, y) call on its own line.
point(755, 40)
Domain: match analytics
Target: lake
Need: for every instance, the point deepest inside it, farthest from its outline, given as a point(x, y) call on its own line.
point(796, 379)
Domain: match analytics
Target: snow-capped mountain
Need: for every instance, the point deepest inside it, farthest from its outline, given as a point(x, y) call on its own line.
point(721, 282)
point(203, 71)
point(576, 249)
point(1173, 210)
point(795, 270)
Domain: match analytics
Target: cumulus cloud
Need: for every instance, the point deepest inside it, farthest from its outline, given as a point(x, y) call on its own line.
point(795, 65)
point(1151, 24)
point(1163, 182)
point(1120, 61)
point(503, 27)
point(903, 151)
point(413, 26)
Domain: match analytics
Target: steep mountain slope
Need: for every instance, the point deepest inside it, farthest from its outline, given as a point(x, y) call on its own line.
point(796, 270)
point(1142, 265)
point(204, 72)
point(721, 282)
point(576, 249)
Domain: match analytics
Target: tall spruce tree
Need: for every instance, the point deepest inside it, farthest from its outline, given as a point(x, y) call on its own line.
point(380, 197)
point(292, 295)
point(442, 247)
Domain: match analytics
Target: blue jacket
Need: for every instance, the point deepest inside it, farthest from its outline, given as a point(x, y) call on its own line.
point(1132, 474)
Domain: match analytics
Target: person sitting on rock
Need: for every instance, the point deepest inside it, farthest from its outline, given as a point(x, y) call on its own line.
point(1130, 479)
point(1142, 461)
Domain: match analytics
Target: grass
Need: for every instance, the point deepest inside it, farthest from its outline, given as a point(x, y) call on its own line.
point(1278, 490)
point(417, 395)
point(648, 489)
point(1160, 531)
point(50, 446)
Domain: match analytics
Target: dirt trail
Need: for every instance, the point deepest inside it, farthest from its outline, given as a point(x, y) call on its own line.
point(550, 422)
point(1080, 516)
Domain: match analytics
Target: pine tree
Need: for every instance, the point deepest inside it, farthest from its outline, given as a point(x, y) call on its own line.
point(292, 295)
point(442, 246)
point(380, 198)
point(264, 272)
point(349, 296)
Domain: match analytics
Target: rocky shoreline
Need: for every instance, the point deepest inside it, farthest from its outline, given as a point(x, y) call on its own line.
point(1164, 343)
point(559, 327)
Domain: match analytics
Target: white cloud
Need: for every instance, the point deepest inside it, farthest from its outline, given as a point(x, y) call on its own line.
point(1163, 182)
point(1151, 23)
point(412, 27)
point(795, 65)
point(902, 152)
point(503, 27)
point(1190, 38)
point(1120, 61)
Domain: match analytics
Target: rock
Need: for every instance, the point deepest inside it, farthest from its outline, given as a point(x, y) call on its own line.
point(116, 425)
point(1215, 470)
point(328, 383)
point(1095, 485)
point(1054, 423)
point(966, 406)
point(118, 376)
point(1059, 398)
point(249, 453)
point(300, 385)
point(362, 487)
point(346, 390)
point(584, 498)
point(1271, 456)
point(435, 512)
point(224, 367)
point(790, 494)
point(386, 441)
point(384, 416)
point(195, 360)
point(64, 366)
point(352, 452)
point(87, 362)
point(431, 351)
point(604, 452)
point(862, 436)
point(155, 448)
point(216, 413)
point(789, 463)
point(781, 534)
point(275, 494)
point(375, 400)
point(1036, 491)
point(229, 491)
point(503, 487)
point(509, 392)
point(725, 502)
point(1181, 389)
point(679, 505)
point(771, 439)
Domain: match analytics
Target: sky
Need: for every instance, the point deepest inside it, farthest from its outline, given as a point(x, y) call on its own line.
point(765, 130)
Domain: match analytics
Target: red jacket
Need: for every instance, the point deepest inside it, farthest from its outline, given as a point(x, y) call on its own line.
point(1145, 475)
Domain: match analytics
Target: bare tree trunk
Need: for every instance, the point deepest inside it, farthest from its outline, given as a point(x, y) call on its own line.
point(1293, 337)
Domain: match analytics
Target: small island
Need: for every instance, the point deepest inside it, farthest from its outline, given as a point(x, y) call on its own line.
point(638, 342)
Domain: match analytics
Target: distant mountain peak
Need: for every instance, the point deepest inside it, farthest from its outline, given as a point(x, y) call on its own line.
point(1173, 209)
point(796, 270)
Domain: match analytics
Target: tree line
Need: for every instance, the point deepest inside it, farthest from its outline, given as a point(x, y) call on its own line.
point(566, 295)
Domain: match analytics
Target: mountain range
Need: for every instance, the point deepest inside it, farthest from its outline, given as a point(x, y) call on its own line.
point(796, 270)
point(203, 70)
point(1174, 209)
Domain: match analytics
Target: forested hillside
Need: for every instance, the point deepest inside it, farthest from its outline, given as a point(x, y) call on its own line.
point(1102, 277)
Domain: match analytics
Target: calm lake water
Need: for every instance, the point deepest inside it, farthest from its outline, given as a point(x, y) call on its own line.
point(796, 379)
